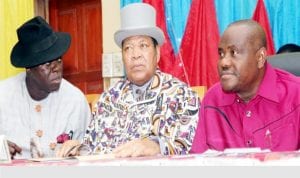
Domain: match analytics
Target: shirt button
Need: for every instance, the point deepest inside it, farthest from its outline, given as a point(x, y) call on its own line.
point(249, 143)
point(248, 113)
point(238, 100)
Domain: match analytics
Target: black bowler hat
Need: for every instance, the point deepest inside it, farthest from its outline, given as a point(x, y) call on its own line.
point(38, 44)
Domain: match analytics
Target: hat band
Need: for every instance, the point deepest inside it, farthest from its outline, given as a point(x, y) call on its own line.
point(43, 44)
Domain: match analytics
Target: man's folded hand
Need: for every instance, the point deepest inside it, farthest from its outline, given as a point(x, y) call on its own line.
point(13, 149)
point(136, 148)
point(69, 148)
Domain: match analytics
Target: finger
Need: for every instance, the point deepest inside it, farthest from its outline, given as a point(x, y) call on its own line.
point(123, 153)
point(18, 149)
point(62, 150)
point(59, 152)
point(120, 148)
point(132, 150)
point(137, 153)
point(10, 143)
point(14, 147)
point(73, 151)
point(124, 146)
point(12, 151)
point(66, 148)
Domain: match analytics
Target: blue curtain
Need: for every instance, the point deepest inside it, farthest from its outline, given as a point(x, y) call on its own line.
point(229, 11)
point(284, 17)
point(125, 2)
point(176, 22)
point(285, 21)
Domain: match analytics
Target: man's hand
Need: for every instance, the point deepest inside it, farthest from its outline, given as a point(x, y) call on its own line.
point(69, 148)
point(136, 148)
point(13, 149)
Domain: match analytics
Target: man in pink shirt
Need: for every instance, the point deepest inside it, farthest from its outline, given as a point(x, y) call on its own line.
point(254, 104)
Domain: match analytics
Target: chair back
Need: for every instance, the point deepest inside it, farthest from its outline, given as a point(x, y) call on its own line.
point(92, 100)
point(287, 61)
point(200, 90)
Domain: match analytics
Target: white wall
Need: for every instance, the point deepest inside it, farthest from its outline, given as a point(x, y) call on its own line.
point(110, 24)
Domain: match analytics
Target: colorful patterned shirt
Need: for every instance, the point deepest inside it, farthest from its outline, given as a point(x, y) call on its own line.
point(269, 121)
point(168, 114)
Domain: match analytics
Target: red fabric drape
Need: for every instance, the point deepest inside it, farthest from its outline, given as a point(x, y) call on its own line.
point(199, 46)
point(168, 63)
point(260, 15)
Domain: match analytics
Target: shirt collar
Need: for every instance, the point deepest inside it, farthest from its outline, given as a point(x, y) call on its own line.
point(139, 91)
point(267, 88)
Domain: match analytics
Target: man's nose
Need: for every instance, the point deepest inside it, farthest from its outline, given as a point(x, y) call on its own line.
point(136, 53)
point(226, 61)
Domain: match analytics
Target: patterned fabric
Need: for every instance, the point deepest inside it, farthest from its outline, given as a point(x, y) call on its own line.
point(168, 114)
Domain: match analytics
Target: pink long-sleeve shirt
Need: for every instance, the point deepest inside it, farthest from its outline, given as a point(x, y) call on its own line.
point(269, 121)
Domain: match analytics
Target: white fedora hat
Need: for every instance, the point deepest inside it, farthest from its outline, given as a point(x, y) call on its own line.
point(138, 19)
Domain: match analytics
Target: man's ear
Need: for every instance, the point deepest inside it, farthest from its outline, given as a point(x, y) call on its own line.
point(262, 55)
point(157, 53)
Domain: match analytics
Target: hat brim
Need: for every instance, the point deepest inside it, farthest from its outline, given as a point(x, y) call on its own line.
point(21, 58)
point(153, 32)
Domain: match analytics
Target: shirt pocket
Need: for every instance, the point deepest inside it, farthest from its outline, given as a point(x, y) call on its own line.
point(283, 137)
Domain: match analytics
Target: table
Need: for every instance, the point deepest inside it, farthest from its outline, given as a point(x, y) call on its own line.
point(217, 164)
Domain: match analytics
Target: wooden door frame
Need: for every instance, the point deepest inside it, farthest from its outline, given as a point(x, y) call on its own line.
point(41, 8)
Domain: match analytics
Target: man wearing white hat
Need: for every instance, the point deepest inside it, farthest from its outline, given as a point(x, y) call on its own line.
point(149, 112)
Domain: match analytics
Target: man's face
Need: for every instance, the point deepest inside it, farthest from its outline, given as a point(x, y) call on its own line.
point(47, 76)
point(238, 60)
point(140, 57)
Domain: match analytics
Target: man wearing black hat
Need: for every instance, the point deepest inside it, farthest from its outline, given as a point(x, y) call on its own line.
point(38, 106)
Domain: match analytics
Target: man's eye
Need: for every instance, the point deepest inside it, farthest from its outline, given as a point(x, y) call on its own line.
point(221, 54)
point(233, 52)
point(126, 48)
point(144, 45)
